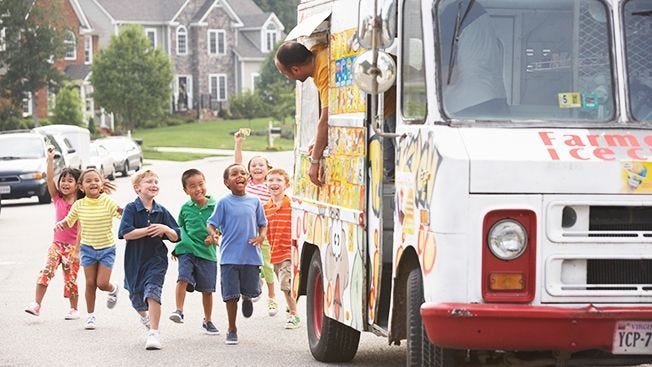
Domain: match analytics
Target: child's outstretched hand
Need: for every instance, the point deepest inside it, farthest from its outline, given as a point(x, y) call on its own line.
point(257, 241)
point(210, 240)
point(50, 151)
point(215, 238)
point(60, 225)
point(157, 230)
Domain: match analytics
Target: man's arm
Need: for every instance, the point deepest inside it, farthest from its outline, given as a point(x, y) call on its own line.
point(321, 141)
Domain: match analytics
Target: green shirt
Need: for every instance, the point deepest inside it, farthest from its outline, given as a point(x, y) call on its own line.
point(192, 221)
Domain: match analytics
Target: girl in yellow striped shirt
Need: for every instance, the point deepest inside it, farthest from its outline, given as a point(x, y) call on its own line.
point(95, 213)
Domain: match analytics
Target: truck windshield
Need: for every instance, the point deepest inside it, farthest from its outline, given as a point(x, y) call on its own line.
point(638, 33)
point(534, 60)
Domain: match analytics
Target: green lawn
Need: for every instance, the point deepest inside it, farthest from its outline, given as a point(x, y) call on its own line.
point(211, 134)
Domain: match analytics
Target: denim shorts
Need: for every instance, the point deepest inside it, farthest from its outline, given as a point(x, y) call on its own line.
point(139, 300)
point(239, 279)
point(90, 256)
point(199, 273)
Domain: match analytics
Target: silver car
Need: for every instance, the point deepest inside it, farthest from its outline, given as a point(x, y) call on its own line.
point(126, 153)
point(101, 159)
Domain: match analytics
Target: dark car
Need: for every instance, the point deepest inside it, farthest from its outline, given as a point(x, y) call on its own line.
point(126, 154)
point(23, 163)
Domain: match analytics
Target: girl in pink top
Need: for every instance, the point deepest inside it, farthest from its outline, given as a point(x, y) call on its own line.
point(64, 249)
point(258, 167)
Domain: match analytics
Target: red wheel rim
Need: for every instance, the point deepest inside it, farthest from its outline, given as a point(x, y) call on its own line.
point(318, 305)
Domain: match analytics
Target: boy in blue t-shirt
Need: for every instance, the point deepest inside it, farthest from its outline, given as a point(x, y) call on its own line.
point(196, 251)
point(240, 220)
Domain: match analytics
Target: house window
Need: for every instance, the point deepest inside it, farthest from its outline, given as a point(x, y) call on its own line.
point(151, 36)
point(182, 40)
point(88, 50)
point(217, 87)
point(255, 78)
point(216, 42)
point(3, 42)
point(270, 40)
point(184, 92)
point(70, 42)
point(27, 105)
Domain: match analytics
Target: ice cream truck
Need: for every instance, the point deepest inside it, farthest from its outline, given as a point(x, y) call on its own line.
point(516, 224)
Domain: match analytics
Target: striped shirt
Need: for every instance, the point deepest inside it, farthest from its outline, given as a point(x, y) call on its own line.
point(96, 219)
point(258, 190)
point(279, 229)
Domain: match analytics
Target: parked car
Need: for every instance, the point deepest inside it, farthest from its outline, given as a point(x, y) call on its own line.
point(71, 157)
point(23, 163)
point(78, 137)
point(125, 152)
point(99, 157)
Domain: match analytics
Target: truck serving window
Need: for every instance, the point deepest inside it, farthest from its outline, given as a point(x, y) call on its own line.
point(413, 81)
point(524, 60)
point(638, 33)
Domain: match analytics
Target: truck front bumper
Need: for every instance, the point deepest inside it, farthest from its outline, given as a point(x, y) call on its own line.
point(525, 327)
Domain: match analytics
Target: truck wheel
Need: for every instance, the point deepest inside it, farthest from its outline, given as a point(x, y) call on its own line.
point(329, 340)
point(420, 352)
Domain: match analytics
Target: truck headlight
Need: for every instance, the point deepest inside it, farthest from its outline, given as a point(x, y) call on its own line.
point(507, 239)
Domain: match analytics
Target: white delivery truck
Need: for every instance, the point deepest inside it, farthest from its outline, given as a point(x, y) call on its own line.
point(79, 138)
point(517, 225)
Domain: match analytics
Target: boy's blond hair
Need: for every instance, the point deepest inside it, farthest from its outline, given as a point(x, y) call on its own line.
point(139, 176)
point(280, 172)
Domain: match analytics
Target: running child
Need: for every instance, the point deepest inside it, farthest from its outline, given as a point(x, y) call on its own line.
point(240, 219)
point(196, 252)
point(64, 249)
point(95, 213)
point(145, 224)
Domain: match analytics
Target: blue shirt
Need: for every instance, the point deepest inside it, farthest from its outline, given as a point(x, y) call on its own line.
point(238, 219)
point(146, 258)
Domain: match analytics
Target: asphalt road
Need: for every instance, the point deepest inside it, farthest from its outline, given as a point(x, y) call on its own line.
point(25, 340)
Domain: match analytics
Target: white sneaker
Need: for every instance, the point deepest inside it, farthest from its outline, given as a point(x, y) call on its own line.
point(153, 340)
point(90, 322)
point(72, 314)
point(112, 299)
point(272, 307)
point(145, 321)
point(33, 309)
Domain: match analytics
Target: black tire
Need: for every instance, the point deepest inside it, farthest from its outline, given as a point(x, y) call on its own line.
point(140, 165)
point(125, 169)
point(329, 340)
point(45, 198)
point(420, 352)
point(111, 177)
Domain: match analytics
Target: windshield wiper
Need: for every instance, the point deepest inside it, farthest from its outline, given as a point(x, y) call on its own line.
point(456, 35)
point(644, 13)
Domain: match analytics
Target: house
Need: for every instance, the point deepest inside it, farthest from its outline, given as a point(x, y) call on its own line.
point(80, 42)
point(216, 46)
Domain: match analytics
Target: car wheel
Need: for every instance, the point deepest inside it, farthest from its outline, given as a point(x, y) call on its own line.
point(329, 340)
point(111, 176)
point(45, 198)
point(140, 164)
point(125, 169)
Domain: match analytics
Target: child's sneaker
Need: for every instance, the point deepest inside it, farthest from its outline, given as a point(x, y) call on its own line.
point(72, 314)
point(272, 306)
point(112, 299)
point(209, 328)
point(232, 337)
point(293, 322)
point(90, 322)
point(247, 307)
point(177, 316)
point(33, 309)
point(153, 341)
point(145, 321)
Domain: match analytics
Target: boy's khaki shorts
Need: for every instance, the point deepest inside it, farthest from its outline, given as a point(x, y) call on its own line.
point(283, 272)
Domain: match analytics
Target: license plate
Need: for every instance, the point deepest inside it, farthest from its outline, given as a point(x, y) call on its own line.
point(5, 189)
point(632, 337)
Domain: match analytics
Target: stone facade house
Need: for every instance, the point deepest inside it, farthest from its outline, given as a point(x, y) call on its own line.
point(216, 46)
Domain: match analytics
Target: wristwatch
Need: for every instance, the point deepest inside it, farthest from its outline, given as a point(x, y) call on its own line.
point(314, 160)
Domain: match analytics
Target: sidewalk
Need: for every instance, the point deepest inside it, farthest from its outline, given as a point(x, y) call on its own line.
point(283, 159)
point(221, 152)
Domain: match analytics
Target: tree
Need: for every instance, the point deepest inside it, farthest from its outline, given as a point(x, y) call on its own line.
point(32, 38)
point(285, 10)
point(275, 90)
point(132, 79)
point(68, 108)
point(246, 106)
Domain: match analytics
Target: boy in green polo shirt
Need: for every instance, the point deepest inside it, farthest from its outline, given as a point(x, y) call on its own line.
point(196, 251)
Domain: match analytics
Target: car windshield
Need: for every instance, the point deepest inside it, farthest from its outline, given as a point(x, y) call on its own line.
point(638, 33)
point(525, 60)
point(21, 147)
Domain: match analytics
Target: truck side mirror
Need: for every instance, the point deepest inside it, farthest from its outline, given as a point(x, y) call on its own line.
point(364, 73)
point(385, 15)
